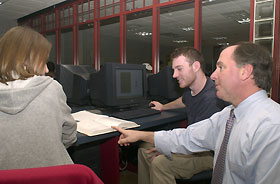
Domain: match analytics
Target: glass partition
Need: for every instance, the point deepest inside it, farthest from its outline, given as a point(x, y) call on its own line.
point(139, 37)
point(110, 40)
point(66, 46)
point(86, 38)
point(176, 29)
point(227, 25)
point(51, 38)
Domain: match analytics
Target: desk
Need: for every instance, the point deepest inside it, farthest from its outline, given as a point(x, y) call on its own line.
point(109, 149)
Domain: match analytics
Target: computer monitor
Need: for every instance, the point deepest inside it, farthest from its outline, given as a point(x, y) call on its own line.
point(74, 80)
point(163, 87)
point(119, 85)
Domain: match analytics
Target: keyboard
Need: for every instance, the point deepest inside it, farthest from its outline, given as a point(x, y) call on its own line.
point(135, 113)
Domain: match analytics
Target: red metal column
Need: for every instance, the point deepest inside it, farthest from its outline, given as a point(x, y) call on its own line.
point(75, 35)
point(276, 54)
point(31, 23)
point(96, 44)
point(122, 34)
point(42, 23)
point(57, 38)
point(156, 32)
point(197, 24)
point(96, 36)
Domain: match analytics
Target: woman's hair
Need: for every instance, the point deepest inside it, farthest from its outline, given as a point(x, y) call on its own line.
point(23, 54)
point(259, 58)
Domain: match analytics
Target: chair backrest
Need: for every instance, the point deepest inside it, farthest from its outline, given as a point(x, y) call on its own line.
point(63, 174)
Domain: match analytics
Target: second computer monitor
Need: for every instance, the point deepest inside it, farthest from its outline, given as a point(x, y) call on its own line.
point(118, 85)
point(74, 80)
point(163, 87)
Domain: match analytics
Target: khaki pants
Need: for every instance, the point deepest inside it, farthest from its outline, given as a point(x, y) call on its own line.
point(162, 170)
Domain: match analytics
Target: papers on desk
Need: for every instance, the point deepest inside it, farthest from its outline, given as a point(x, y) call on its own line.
point(95, 124)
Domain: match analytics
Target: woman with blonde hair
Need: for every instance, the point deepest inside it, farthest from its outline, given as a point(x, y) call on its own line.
point(35, 121)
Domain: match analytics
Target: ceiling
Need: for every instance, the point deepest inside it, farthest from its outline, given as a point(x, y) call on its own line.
point(11, 10)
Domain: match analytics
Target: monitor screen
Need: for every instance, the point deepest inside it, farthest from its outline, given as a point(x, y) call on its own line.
point(129, 83)
point(163, 87)
point(74, 80)
point(118, 85)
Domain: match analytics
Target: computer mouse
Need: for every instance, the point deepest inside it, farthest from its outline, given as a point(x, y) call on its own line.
point(151, 105)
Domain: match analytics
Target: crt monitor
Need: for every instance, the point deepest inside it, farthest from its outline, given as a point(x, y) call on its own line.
point(74, 80)
point(119, 85)
point(163, 87)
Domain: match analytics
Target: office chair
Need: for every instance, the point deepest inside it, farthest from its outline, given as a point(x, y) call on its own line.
point(63, 174)
point(203, 177)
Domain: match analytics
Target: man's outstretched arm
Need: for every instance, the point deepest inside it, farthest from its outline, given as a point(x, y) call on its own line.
point(130, 136)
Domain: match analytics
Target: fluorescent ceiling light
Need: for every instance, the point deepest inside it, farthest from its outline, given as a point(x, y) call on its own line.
point(208, 1)
point(3, 1)
point(143, 34)
point(242, 17)
point(223, 43)
point(180, 41)
point(244, 21)
point(188, 28)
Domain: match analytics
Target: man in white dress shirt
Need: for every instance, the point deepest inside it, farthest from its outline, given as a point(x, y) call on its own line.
point(243, 73)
